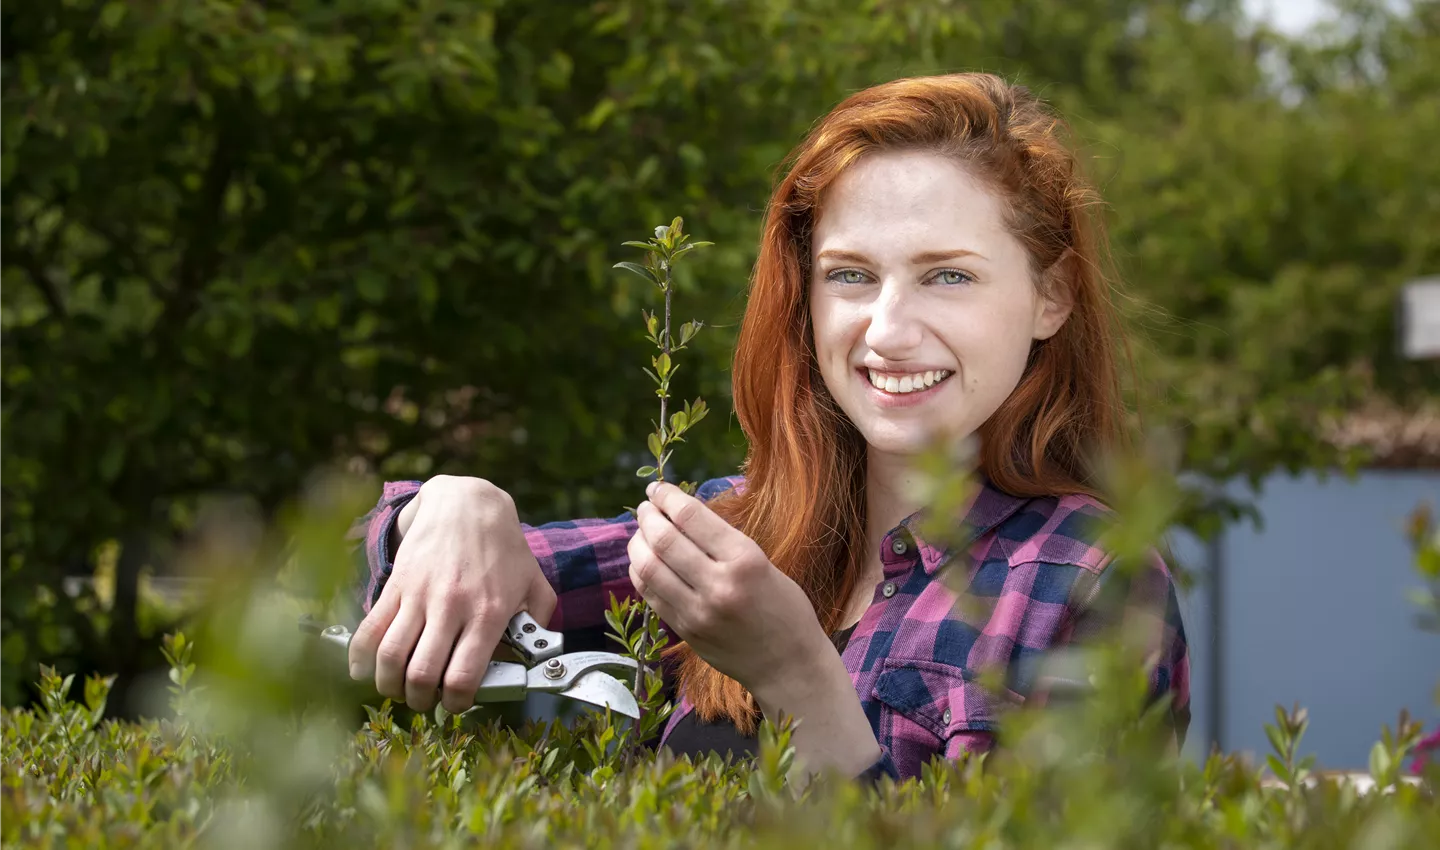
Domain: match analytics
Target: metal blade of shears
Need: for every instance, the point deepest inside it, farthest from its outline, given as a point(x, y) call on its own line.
point(604, 691)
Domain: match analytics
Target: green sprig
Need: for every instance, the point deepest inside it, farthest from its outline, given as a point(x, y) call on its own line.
point(662, 252)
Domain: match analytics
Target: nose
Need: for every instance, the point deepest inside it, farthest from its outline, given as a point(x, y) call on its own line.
point(895, 331)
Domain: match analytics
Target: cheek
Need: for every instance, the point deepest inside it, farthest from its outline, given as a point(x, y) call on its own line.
point(834, 336)
point(1009, 357)
point(993, 348)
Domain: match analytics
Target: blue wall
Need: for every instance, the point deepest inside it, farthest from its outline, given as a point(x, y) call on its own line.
point(1313, 609)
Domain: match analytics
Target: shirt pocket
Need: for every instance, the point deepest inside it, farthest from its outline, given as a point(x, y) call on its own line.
point(929, 708)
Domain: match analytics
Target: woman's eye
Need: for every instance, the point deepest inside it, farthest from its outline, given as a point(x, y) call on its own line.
point(951, 277)
point(847, 276)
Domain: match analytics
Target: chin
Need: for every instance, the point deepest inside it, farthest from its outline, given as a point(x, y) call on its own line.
point(895, 441)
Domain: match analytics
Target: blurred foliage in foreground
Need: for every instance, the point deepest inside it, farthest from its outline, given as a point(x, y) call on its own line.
point(244, 240)
point(261, 749)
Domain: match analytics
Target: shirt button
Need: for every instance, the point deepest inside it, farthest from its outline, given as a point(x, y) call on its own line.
point(888, 589)
point(899, 547)
point(945, 718)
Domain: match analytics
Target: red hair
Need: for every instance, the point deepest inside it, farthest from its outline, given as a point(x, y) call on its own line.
point(803, 500)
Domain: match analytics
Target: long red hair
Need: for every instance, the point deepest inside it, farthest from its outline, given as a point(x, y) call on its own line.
point(804, 497)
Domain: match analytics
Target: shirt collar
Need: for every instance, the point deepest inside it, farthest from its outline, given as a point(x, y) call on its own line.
point(987, 508)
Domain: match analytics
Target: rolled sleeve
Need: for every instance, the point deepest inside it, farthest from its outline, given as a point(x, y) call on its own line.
point(376, 530)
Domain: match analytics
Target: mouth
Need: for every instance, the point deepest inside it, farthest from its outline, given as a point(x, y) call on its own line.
point(903, 390)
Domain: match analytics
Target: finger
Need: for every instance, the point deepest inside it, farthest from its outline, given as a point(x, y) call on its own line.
point(366, 639)
point(467, 667)
point(715, 537)
point(630, 553)
point(485, 628)
point(427, 665)
point(666, 593)
point(395, 647)
point(671, 546)
point(541, 600)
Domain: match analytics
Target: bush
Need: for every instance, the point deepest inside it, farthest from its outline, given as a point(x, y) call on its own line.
point(72, 779)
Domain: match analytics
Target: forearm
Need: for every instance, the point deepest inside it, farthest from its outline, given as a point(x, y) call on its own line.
point(834, 734)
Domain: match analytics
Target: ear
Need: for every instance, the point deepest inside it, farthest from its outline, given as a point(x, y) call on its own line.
point(1057, 296)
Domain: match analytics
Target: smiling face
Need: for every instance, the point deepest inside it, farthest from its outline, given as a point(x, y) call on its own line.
point(922, 302)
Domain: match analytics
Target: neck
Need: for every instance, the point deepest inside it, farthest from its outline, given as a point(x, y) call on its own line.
point(889, 494)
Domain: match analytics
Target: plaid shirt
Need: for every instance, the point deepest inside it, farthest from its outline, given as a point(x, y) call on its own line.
point(915, 656)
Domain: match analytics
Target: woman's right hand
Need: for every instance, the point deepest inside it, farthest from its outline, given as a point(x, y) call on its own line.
point(462, 571)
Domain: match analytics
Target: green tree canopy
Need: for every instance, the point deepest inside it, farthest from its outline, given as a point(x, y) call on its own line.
point(243, 241)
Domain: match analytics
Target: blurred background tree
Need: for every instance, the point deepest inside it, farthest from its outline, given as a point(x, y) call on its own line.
point(245, 240)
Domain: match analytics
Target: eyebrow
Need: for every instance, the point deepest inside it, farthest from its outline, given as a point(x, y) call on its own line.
point(917, 260)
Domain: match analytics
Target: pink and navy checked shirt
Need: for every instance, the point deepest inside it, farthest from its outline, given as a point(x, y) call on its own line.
point(915, 656)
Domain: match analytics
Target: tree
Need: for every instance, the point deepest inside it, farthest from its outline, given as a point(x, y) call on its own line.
point(242, 242)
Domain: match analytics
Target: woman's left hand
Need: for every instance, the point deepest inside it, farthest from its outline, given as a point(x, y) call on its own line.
point(719, 591)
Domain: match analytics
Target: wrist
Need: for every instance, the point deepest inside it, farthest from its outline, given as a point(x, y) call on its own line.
point(813, 674)
point(834, 732)
point(406, 517)
point(473, 498)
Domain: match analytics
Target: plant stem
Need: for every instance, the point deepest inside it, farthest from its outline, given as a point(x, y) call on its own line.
point(641, 648)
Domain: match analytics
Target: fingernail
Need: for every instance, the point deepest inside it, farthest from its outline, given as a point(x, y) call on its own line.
point(355, 671)
point(650, 491)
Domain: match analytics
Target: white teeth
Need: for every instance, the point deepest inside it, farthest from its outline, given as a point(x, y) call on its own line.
point(907, 383)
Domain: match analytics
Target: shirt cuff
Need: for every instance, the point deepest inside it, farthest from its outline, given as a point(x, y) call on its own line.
point(384, 548)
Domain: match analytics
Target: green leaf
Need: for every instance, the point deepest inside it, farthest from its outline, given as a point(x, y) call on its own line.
point(112, 460)
point(662, 365)
point(112, 15)
point(656, 447)
point(1379, 762)
point(603, 110)
point(637, 269)
point(1276, 741)
point(645, 472)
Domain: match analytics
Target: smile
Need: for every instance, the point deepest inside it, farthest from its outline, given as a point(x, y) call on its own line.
point(904, 384)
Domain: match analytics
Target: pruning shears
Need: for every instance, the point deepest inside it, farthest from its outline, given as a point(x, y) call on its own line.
point(589, 677)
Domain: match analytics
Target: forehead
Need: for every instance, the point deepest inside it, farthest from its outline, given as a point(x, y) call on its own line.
point(904, 201)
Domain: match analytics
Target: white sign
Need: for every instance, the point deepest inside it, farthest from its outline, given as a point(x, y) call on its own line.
point(1420, 318)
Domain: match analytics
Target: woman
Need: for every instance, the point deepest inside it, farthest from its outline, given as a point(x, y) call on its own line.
point(929, 267)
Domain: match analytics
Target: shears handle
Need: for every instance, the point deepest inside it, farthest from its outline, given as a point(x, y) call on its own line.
point(534, 642)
